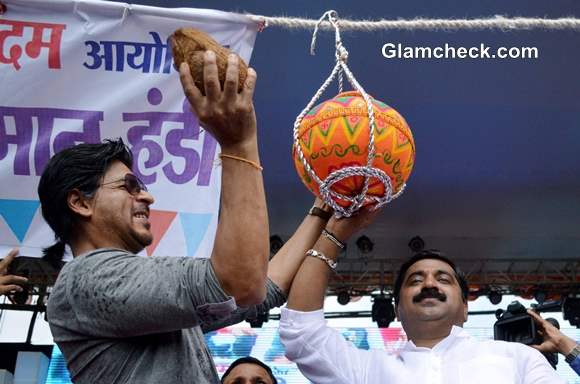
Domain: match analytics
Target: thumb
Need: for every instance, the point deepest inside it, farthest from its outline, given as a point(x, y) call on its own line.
point(544, 347)
point(5, 262)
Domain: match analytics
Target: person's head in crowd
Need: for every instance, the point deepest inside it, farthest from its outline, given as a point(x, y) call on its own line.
point(91, 198)
point(430, 295)
point(248, 370)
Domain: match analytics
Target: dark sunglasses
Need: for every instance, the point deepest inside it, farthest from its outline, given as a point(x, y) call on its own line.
point(131, 183)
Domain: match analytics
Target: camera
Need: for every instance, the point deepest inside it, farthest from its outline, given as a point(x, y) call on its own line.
point(39, 272)
point(516, 325)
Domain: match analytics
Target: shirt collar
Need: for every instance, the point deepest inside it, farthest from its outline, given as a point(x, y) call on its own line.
point(456, 334)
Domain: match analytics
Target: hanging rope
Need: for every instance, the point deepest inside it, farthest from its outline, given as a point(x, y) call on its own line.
point(492, 23)
point(329, 21)
point(368, 171)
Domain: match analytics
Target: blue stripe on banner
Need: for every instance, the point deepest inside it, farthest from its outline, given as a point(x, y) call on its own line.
point(18, 214)
point(194, 228)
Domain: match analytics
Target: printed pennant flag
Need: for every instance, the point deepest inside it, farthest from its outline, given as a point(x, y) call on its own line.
point(194, 227)
point(160, 222)
point(18, 214)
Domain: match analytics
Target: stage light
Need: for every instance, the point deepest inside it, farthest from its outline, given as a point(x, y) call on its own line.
point(364, 244)
point(276, 243)
point(383, 311)
point(571, 310)
point(259, 320)
point(417, 244)
point(343, 297)
point(494, 297)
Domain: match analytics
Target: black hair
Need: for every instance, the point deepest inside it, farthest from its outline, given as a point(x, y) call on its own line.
point(249, 360)
point(81, 167)
point(430, 254)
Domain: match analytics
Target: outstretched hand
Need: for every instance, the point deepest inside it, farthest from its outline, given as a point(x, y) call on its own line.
point(228, 115)
point(345, 227)
point(10, 283)
point(553, 339)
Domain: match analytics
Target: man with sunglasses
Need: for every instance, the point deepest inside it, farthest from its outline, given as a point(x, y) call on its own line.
point(121, 318)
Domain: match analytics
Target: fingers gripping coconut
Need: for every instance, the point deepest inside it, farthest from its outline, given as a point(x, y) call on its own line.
point(220, 88)
point(189, 45)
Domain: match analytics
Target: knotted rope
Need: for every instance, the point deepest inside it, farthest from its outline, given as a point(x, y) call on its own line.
point(368, 171)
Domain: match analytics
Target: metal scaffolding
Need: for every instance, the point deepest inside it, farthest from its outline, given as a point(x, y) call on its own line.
point(522, 277)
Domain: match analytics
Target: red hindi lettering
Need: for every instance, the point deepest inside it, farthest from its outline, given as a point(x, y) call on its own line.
point(15, 51)
point(35, 45)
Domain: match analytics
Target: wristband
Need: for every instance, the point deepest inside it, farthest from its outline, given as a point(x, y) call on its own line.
point(330, 236)
point(573, 354)
point(243, 160)
point(319, 255)
point(324, 215)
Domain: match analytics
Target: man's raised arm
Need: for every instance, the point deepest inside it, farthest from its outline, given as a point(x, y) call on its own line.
point(309, 286)
point(322, 354)
point(286, 262)
point(241, 248)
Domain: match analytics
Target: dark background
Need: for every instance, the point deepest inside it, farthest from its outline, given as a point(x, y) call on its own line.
point(497, 168)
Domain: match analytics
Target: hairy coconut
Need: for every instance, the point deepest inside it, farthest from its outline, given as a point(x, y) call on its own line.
point(189, 45)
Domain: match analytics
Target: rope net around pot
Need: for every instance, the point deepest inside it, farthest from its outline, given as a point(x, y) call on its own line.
point(351, 150)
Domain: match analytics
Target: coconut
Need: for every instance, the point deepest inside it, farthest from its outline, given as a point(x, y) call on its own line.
point(189, 45)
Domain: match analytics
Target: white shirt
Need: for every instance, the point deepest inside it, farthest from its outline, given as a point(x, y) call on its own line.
point(324, 356)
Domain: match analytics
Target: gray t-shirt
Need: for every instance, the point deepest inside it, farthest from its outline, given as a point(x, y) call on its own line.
point(122, 318)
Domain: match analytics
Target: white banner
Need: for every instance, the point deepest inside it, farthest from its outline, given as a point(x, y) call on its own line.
point(82, 71)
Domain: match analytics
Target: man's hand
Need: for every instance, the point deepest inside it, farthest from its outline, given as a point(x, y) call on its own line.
point(10, 283)
point(228, 115)
point(554, 340)
point(345, 227)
